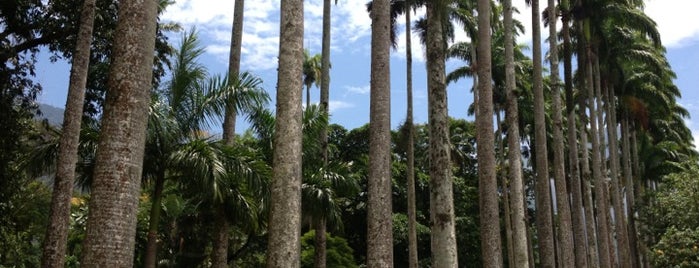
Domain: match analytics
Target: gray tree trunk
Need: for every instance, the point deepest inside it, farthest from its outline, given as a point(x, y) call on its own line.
point(234, 68)
point(443, 242)
point(111, 225)
point(577, 210)
point(410, 151)
point(565, 228)
point(379, 211)
point(601, 200)
point(56, 239)
point(628, 183)
point(619, 217)
point(284, 246)
point(519, 227)
point(544, 222)
point(487, 181)
point(319, 242)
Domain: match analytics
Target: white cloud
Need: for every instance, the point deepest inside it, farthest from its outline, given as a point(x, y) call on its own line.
point(338, 105)
point(675, 20)
point(362, 90)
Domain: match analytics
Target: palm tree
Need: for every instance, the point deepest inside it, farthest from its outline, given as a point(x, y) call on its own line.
point(410, 150)
point(443, 242)
point(566, 245)
point(519, 234)
point(285, 222)
point(57, 230)
point(577, 212)
point(311, 73)
point(182, 110)
point(109, 239)
point(543, 195)
point(487, 183)
point(379, 220)
point(233, 71)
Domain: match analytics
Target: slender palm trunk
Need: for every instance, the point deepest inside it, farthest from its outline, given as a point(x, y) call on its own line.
point(519, 227)
point(586, 172)
point(285, 209)
point(410, 151)
point(601, 199)
point(56, 239)
point(502, 176)
point(379, 219)
point(319, 241)
point(544, 223)
point(111, 225)
point(628, 183)
point(219, 253)
point(487, 181)
point(565, 228)
point(443, 242)
point(578, 222)
point(150, 258)
point(619, 217)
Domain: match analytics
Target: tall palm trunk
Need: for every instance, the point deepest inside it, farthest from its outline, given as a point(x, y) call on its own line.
point(586, 172)
point(502, 176)
point(379, 219)
point(219, 255)
point(111, 225)
point(519, 227)
point(601, 199)
point(578, 222)
point(443, 242)
point(150, 258)
point(285, 210)
point(544, 222)
point(56, 239)
point(565, 227)
point(628, 183)
point(319, 242)
point(234, 67)
point(410, 151)
point(487, 181)
point(619, 217)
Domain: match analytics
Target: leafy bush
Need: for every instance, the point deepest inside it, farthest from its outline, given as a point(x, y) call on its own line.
point(339, 254)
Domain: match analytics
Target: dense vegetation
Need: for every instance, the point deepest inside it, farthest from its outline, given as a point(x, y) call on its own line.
point(608, 134)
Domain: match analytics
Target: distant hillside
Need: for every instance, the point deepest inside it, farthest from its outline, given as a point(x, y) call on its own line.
point(51, 113)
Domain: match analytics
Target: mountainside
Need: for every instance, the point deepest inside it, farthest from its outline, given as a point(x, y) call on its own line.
point(53, 114)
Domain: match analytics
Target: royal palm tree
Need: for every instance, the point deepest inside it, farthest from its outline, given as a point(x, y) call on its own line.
point(565, 228)
point(519, 243)
point(544, 221)
point(110, 234)
point(443, 242)
point(487, 183)
point(311, 73)
point(56, 237)
point(379, 219)
point(285, 208)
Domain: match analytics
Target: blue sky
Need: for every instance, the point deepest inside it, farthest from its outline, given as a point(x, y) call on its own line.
point(350, 54)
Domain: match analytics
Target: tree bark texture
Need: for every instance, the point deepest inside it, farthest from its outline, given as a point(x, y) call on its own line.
point(111, 226)
point(443, 242)
point(565, 228)
point(487, 181)
point(284, 246)
point(219, 251)
point(56, 239)
point(319, 242)
point(629, 189)
point(600, 200)
point(150, 258)
point(234, 67)
point(519, 227)
point(544, 222)
point(577, 210)
point(410, 151)
point(379, 211)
